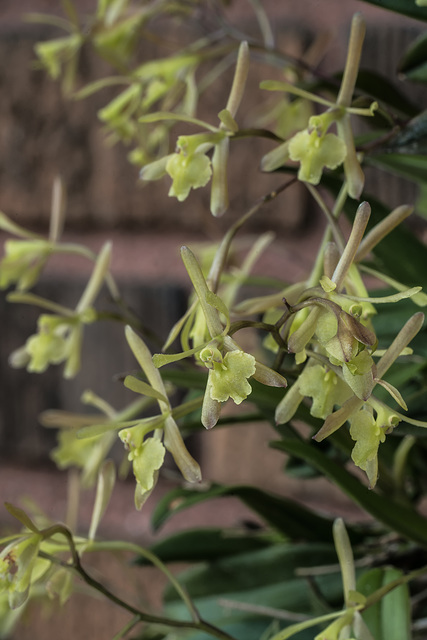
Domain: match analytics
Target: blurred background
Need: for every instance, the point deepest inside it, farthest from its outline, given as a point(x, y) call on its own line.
point(42, 135)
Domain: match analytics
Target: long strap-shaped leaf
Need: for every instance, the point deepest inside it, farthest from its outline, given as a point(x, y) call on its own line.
point(406, 7)
point(290, 518)
point(400, 518)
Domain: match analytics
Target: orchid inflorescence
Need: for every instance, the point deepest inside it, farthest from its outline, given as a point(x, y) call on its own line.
point(320, 348)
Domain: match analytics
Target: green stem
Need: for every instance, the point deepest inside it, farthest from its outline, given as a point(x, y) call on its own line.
point(200, 625)
point(336, 231)
point(129, 546)
point(399, 463)
point(257, 133)
point(128, 627)
point(220, 258)
point(197, 624)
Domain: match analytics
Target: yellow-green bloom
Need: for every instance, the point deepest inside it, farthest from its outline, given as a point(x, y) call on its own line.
point(84, 453)
point(147, 454)
point(359, 374)
point(60, 335)
point(54, 54)
point(147, 458)
point(315, 152)
point(26, 257)
point(229, 376)
point(324, 387)
point(59, 339)
point(189, 167)
point(84, 440)
point(23, 262)
point(369, 433)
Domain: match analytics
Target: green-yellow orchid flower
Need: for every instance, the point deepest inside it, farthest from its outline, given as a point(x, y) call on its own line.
point(229, 366)
point(147, 458)
point(26, 256)
point(61, 52)
point(60, 335)
point(324, 387)
point(313, 147)
point(147, 453)
point(228, 375)
point(369, 431)
point(23, 262)
point(340, 370)
point(189, 167)
point(88, 452)
point(17, 563)
point(314, 152)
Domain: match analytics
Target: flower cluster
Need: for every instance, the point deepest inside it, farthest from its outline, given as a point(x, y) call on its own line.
point(336, 339)
point(189, 167)
point(315, 147)
point(229, 366)
point(60, 334)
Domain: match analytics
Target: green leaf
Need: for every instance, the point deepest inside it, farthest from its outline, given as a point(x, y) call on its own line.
point(265, 578)
point(389, 618)
point(414, 61)
point(285, 515)
point(405, 7)
point(395, 609)
point(380, 88)
point(367, 583)
point(411, 167)
point(396, 516)
point(207, 544)
point(257, 570)
point(411, 139)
